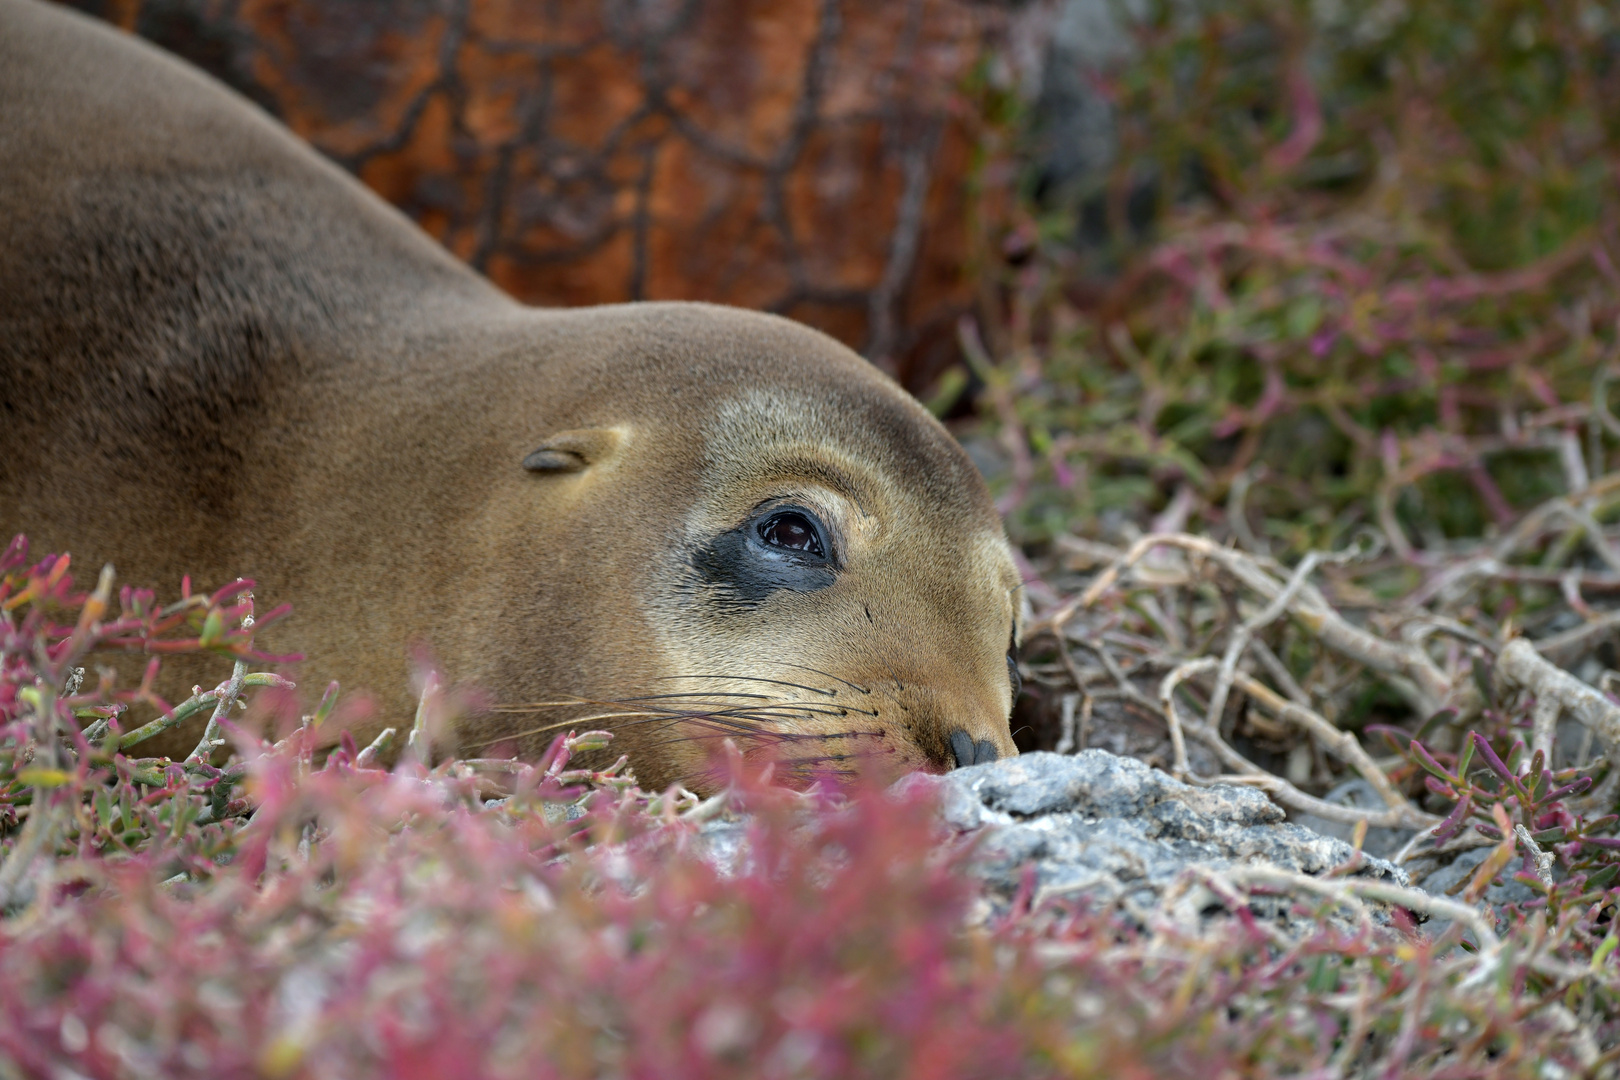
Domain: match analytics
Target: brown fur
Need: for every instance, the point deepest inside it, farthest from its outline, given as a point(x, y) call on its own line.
point(220, 355)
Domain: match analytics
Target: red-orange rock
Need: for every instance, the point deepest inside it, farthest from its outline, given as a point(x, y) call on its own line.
point(803, 156)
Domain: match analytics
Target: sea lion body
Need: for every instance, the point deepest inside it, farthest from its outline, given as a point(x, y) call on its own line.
point(220, 355)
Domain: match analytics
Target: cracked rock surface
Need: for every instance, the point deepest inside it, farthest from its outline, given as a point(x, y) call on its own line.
point(1110, 830)
point(1117, 831)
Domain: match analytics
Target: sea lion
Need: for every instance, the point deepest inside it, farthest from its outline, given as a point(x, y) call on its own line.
point(222, 355)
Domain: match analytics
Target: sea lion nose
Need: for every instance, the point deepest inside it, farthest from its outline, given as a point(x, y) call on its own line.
point(969, 752)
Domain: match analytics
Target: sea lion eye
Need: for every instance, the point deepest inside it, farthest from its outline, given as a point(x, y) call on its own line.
point(780, 547)
point(793, 531)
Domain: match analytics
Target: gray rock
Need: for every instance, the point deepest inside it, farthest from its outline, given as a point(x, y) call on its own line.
point(1077, 140)
point(724, 844)
point(1116, 831)
point(1108, 829)
point(1460, 869)
point(1457, 872)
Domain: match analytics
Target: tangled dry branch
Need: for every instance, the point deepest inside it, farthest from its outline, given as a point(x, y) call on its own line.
point(1215, 623)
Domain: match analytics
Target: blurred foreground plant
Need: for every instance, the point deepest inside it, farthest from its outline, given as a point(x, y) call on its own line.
point(74, 787)
point(495, 918)
point(1334, 449)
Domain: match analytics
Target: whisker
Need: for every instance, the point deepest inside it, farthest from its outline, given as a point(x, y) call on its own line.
point(758, 719)
point(899, 687)
point(531, 706)
point(710, 737)
point(780, 712)
point(781, 737)
point(817, 709)
point(755, 678)
point(559, 725)
point(735, 719)
point(780, 708)
point(700, 695)
point(829, 675)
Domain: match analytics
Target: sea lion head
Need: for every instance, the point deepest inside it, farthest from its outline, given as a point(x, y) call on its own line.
point(818, 570)
point(676, 521)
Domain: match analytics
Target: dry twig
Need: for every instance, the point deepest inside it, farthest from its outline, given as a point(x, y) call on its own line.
point(1412, 670)
point(1521, 667)
point(1353, 891)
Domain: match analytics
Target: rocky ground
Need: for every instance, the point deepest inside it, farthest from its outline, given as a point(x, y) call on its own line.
point(1117, 833)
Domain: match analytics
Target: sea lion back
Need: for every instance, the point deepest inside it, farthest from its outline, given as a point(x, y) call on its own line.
point(117, 155)
point(176, 272)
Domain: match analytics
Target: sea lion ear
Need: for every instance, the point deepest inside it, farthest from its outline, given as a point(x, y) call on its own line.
point(573, 451)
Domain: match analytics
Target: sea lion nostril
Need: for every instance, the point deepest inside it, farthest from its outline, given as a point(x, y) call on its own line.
point(984, 750)
point(962, 746)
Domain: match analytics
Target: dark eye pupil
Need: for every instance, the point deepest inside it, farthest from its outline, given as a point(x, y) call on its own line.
point(791, 531)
